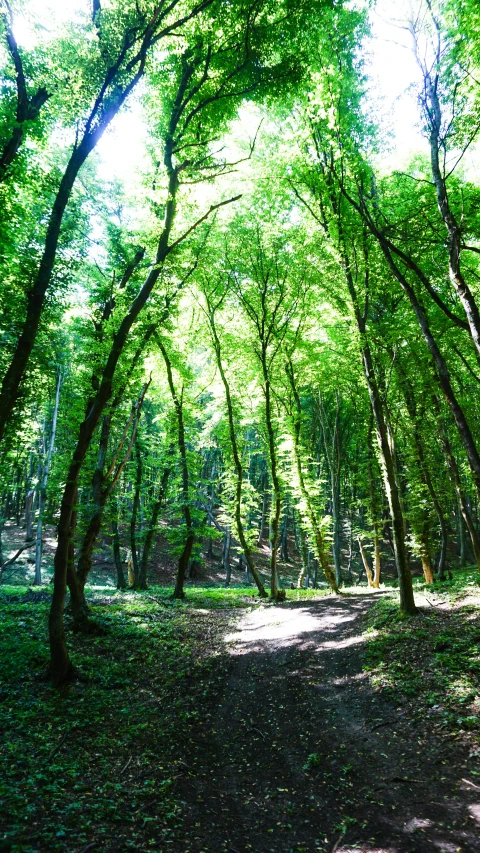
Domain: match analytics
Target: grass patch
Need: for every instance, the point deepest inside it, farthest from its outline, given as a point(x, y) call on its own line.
point(95, 762)
point(432, 658)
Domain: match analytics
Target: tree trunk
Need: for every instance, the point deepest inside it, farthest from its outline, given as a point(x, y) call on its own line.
point(366, 565)
point(226, 557)
point(461, 536)
point(190, 537)
point(439, 365)
point(152, 527)
point(374, 513)
point(303, 550)
point(455, 474)
point(433, 115)
point(121, 582)
point(284, 540)
point(43, 481)
point(133, 518)
point(425, 556)
point(378, 565)
point(276, 593)
point(318, 540)
point(263, 515)
point(60, 662)
point(407, 601)
point(29, 515)
point(252, 569)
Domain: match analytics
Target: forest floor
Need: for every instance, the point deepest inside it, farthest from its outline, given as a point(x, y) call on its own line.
point(225, 725)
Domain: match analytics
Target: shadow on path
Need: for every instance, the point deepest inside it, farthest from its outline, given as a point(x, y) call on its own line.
point(301, 754)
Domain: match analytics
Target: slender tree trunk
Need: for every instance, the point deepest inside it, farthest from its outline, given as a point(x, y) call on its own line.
point(336, 531)
point(226, 556)
point(263, 515)
point(320, 547)
point(190, 533)
point(461, 535)
point(407, 601)
point(284, 540)
point(275, 591)
point(333, 458)
point(303, 550)
point(425, 555)
point(121, 581)
point(378, 563)
point(43, 481)
point(29, 515)
point(455, 474)
point(237, 461)
point(374, 513)
point(152, 527)
point(133, 518)
point(366, 564)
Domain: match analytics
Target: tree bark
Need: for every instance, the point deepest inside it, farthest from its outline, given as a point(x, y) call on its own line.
point(60, 663)
point(121, 77)
point(318, 541)
point(190, 533)
point(43, 482)
point(407, 601)
point(121, 582)
point(152, 527)
point(133, 517)
point(365, 562)
point(455, 475)
point(236, 456)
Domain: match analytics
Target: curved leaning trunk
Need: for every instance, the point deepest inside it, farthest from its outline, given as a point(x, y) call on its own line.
point(366, 564)
point(36, 294)
point(433, 114)
point(60, 665)
point(440, 366)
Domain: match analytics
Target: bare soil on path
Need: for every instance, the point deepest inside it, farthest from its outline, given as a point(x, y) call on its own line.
point(299, 753)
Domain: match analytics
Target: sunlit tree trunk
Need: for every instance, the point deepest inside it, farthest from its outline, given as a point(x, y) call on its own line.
point(365, 562)
point(252, 569)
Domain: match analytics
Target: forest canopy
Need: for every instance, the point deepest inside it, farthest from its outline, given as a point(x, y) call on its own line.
point(238, 322)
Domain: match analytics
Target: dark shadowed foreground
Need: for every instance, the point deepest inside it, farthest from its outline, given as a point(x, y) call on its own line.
point(201, 726)
point(301, 754)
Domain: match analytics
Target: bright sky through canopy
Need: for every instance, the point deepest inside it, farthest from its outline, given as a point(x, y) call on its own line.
point(392, 69)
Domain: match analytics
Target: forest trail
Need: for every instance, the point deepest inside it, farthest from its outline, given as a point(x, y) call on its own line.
point(300, 754)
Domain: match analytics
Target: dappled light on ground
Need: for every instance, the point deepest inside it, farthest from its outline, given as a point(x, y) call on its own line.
point(246, 727)
point(280, 627)
point(336, 760)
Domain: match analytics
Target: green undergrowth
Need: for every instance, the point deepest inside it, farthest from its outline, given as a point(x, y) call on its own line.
point(433, 658)
point(94, 762)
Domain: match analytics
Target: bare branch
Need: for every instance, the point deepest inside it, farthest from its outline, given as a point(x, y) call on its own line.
point(211, 209)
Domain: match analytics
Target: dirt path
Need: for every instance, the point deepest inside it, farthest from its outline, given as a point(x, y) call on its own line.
point(300, 754)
